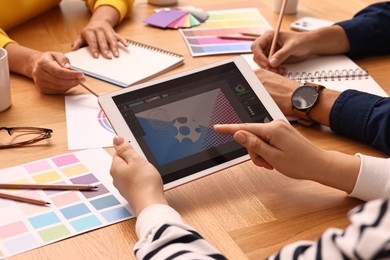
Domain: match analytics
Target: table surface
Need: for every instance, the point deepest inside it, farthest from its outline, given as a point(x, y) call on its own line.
point(245, 211)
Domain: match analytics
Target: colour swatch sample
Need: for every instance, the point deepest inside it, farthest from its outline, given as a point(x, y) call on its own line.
point(25, 226)
point(204, 40)
point(182, 17)
point(87, 125)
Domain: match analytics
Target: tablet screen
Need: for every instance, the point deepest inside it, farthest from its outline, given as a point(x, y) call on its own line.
point(173, 121)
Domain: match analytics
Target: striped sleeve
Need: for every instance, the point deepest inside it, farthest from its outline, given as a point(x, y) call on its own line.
point(367, 237)
point(163, 235)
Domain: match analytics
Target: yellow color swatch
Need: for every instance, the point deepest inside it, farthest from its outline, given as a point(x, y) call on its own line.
point(75, 170)
point(46, 177)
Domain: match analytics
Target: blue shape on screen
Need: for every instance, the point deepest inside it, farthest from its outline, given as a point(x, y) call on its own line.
point(163, 143)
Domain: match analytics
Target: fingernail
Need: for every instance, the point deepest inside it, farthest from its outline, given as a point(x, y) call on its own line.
point(264, 64)
point(67, 65)
point(118, 140)
point(96, 55)
point(240, 137)
point(116, 53)
point(273, 62)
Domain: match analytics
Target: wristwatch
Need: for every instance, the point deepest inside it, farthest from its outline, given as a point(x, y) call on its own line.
point(303, 99)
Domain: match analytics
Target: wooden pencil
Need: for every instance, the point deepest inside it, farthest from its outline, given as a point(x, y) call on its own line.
point(23, 199)
point(89, 89)
point(237, 37)
point(276, 34)
point(47, 186)
point(251, 34)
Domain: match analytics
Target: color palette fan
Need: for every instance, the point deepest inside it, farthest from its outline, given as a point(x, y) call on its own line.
point(184, 17)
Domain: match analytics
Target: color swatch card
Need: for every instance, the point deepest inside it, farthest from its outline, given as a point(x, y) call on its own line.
point(174, 18)
point(206, 40)
point(26, 226)
point(87, 125)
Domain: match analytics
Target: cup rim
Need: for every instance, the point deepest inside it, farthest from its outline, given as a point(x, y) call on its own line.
point(3, 53)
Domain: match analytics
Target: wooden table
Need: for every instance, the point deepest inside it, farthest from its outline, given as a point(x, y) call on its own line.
point(246, 212)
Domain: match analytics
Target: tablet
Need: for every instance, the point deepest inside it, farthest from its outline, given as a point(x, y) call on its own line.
point(170, 121)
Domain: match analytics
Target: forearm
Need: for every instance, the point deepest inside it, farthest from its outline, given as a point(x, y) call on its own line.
point(339, 171)
point(21, 59)
point(106, 13)
point(362, 116)
point(329, 40)
point(320, 113)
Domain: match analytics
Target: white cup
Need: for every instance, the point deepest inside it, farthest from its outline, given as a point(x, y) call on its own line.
point(162, 2)
point(5, 91)
point(291, 6)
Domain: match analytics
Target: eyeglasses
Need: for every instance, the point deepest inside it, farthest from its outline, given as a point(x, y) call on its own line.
point(19, 136)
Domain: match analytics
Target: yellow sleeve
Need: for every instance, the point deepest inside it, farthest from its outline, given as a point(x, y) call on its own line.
point(4, 39)
point(124, 7)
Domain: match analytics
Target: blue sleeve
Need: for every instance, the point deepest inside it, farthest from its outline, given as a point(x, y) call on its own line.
point(364, 117)
point(369, 30)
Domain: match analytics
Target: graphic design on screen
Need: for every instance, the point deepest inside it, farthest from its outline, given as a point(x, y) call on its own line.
point(184, 128)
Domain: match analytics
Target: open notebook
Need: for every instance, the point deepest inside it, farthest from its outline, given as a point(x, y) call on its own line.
point(337, 72)
point(136, 63)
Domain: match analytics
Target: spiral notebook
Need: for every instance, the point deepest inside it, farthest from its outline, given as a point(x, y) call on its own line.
point(136, 63)
point(337, 72)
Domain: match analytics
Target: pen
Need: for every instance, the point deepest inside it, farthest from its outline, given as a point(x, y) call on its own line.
point(276, 34)
point(89, 89)
point(237, 37)
point(47, 186)
point(23, 199)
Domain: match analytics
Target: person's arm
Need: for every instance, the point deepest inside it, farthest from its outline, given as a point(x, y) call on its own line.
point(163, 235)
point(4, 39)
point(277, 145)
point(368, 31)
point(99, 33)
point(160, 229)
point(50, 70)
point(365, 238)
point(362, 116)
point(298, 46)
point(365, 34)
point(358, 115)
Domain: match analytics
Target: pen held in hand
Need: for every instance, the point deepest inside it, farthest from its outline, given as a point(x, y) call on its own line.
point(47, 186)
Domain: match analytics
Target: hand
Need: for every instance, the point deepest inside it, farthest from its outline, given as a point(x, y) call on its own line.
point(280, 88)
point(291, 47)
point(52, 74)
point(137, 180)
point(100, 35)
point(278, 145)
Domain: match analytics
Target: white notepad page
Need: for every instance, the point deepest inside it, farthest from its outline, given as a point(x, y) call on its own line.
point(136, 63)
point(338, 73)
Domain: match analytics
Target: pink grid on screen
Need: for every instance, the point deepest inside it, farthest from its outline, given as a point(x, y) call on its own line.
point(223, 113)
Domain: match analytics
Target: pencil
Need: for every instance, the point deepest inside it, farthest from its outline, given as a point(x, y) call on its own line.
point(47, 186)
point(251, 34)
point(237, 37)
point(89, 89)
point(23, 199)
point(276, 34)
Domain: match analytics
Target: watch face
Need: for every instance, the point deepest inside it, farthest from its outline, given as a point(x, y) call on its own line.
point(304, 97)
